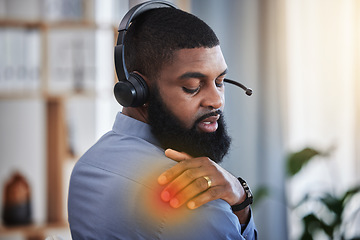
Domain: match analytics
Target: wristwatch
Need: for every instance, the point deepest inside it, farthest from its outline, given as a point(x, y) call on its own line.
point(249, 197)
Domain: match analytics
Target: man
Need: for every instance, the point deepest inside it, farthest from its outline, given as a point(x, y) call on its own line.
point(156, 174)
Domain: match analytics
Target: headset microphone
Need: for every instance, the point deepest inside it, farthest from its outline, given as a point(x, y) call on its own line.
point(248, 91)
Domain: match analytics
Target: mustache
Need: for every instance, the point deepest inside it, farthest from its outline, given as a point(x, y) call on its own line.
point(210, 114)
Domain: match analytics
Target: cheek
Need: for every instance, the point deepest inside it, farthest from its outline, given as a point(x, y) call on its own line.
point(185, 113)
point(183, 107)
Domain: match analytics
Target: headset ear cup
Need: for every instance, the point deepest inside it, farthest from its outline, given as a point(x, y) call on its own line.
point(124, 93)
point(141, 89)
point(133, 92)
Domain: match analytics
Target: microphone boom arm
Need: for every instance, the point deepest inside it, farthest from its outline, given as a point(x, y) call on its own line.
point(248, 91)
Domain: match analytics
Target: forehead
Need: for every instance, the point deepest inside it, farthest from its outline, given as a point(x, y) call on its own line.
point(208, 61)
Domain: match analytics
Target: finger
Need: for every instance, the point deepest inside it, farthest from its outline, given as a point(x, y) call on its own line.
point(176, 156)
point(199, 186)
point(172, 173)
point(181, 182)
point(207, 196)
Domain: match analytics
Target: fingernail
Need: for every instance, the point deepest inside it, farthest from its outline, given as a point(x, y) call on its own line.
point(191, 205)
point(165, 196)
point(162, 179)
point(174, 203)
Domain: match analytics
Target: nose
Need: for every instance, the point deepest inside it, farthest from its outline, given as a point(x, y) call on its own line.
point(213, 97)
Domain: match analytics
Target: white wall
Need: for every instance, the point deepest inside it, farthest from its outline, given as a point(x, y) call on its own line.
point(323, 88)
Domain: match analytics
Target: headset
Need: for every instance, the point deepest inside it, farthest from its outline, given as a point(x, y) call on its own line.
point(131, 89)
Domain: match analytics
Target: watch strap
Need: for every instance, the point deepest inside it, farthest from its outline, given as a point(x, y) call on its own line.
point(249, 197)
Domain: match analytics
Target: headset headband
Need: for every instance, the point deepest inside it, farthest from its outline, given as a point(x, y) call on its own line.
point(120, 66)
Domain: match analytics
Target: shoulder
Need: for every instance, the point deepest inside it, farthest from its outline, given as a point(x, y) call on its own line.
point(111, 183)
point(124, 155)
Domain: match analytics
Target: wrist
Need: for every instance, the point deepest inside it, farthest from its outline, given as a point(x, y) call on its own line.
point(244, 215)
point(248, 197)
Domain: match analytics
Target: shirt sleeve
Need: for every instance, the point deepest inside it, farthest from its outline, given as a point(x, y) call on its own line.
point(213, 220)
point(249, 230)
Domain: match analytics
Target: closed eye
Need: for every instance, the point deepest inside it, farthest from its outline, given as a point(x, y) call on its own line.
point(219, 84)
point(190, 90)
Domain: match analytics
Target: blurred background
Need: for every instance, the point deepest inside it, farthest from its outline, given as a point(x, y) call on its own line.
point(296, 140)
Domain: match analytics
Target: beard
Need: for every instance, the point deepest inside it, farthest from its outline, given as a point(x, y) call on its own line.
point(169, 131)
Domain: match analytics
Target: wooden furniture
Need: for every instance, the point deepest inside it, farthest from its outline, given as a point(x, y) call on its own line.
point(35, 51)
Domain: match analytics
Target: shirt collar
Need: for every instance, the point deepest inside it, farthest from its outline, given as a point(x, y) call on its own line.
point(130, 126)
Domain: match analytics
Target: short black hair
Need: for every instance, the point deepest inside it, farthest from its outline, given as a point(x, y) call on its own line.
point(154, 35)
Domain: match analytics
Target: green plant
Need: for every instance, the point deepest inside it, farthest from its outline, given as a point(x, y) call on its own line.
point(326, 209)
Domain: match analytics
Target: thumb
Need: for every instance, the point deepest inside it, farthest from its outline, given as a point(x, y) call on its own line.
point(177, 156)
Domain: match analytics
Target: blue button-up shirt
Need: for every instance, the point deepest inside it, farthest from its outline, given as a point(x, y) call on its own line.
point(114, 194)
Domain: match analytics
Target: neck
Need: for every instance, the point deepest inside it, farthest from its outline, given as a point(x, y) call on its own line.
point(138, 113)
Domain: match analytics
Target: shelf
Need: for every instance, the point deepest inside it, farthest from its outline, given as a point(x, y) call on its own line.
point(34, 231)
point(61, 60)
point(50, 89)
point(47, 25)
point(20, 95)
point(21, 23)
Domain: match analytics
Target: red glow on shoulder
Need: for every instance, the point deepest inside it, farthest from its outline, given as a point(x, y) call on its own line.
point(154, 208)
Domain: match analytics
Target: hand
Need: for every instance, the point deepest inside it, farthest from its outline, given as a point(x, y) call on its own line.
point(185, 182)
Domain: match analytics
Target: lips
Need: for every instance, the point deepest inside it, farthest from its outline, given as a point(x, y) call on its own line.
point(208, 124)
